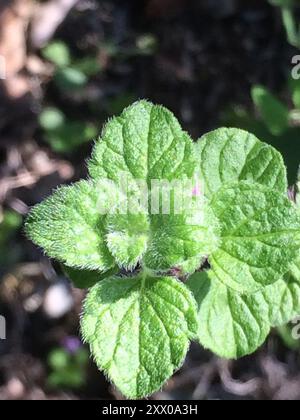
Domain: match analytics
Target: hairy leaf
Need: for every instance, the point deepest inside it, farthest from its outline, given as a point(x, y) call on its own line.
point(128, 237)
point(283, 297)
point(229, 155)
point(143, 151)
point(145, 143)
point(138, 329)
point(259, 236)
point(163, 241)
point(70, 228)
point(230, 324)
point(176, 240)
point(145, 207)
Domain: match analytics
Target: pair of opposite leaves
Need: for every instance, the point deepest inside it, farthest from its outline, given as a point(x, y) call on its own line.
point(139, 327)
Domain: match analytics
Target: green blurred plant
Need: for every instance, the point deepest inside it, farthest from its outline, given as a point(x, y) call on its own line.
point(274, 113)
point(10, 222)
point(276, 122)
point(58, 53)
point(292, 27)
point(73, 74)
point(146, 44)
point(64, 135)
point(285, 332)
point(68, 367)
point(117, 103)
point(70, 73)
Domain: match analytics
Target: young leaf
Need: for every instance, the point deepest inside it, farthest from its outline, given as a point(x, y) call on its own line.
point(146, 144)
point(189, 266)
point(70, 228)
point(127, 237)
point(162, 241)
point(273, 112)
point(260, 236)
point(283, 297)
point(230, 155)
point(138, 329)
point(175, 240)
point(230, 324)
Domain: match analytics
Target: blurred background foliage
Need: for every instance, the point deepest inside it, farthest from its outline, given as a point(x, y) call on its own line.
point(68, 69)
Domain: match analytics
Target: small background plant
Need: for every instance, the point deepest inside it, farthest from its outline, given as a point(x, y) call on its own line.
point(68, 365)
point(288, 10)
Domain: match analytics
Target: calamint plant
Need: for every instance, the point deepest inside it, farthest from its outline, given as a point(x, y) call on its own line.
point(140, 250)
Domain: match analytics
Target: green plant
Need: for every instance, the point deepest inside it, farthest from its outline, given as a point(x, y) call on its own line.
point(70, 73)
point(234, 213)
point(63, 134)
point(274, 113)
point(68, 365)
point(285, 332)
point(10, 222)
point(289, 20)
point(276, 122)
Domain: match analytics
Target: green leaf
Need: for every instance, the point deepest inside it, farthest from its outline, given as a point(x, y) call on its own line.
point(144, 146)
point(51, 118)
point(230, 324)
point(161, 242)
point(189, 266)
point(285, 332)
point(10, 221)
point(88, 66)
point(70, 377)
point(70, 228)
point(146, 44)
point(229, 155)
point(70, 135)
point(283, 3)
point(145, 143)
point(127, 238)
point(57, 52)
point(176, 241)
point(294, 86)
point(139, 329)
point(273, 112)
point(84, 279)
point(70, 79)
point(59, 359)
point(283, 297)
point(259, 236)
